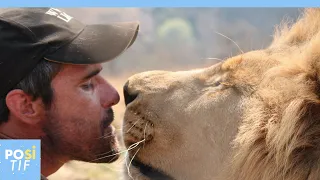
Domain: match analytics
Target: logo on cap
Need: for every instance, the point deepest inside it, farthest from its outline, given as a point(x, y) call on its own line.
point(59, 14)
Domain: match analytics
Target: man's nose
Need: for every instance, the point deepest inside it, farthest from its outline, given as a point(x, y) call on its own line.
point(109, 96)
point(128, 96)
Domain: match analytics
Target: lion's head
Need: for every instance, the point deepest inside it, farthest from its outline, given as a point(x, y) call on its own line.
point(253, 116)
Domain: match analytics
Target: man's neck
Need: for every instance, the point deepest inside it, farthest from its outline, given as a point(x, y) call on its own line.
point(5, 136)
point(14, 129)
point(51, 161)
point(50, 165)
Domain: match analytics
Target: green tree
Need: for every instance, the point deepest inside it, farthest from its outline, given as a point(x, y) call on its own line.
point(175, 30)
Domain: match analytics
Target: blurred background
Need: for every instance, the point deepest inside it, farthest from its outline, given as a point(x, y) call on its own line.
point(174, 39)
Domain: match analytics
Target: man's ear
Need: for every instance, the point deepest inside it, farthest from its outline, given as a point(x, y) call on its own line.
point(22, 106)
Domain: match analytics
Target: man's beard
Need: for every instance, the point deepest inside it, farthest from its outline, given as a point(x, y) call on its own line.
point(76, 141)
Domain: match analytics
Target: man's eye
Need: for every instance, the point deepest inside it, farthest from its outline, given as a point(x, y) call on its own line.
point(88, 86)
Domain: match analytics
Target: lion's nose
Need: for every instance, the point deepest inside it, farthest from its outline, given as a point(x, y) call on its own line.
point(128, 96)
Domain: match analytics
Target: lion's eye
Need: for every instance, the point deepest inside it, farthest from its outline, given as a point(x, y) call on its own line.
point(221, 84)
point(217, 83)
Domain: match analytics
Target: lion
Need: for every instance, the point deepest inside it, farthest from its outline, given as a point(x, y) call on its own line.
point(254, 116)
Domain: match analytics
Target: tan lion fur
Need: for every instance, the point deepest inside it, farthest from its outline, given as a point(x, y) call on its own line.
point(265, 103)
point(279, 137)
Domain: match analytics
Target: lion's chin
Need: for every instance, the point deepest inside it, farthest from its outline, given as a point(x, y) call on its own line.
point(150, 172)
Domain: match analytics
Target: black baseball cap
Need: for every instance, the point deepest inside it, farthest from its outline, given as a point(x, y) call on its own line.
point(28, 35)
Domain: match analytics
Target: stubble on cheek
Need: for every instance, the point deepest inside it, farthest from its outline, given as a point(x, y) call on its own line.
point(80, 139)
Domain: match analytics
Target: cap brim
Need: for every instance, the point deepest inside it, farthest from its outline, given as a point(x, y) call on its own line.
point(97, 44)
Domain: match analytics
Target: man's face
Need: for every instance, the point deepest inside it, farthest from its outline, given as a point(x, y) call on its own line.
point(78, 123)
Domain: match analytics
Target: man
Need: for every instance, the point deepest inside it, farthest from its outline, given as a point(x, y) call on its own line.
point(50, 84)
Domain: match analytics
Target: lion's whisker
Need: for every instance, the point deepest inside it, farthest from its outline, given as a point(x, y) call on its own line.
point(215, 59)
point(117, 168)
point(230, 40)
point(133, 125)
point(105, 136)
point(144, 133)
point(104, 153)
point(132, 146)
point(110, 134)
point(128, 166)
point(135, 144)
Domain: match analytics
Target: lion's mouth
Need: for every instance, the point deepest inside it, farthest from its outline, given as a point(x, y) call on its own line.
point(150, 172)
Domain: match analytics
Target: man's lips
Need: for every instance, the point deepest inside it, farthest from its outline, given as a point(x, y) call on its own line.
point(108, 119)
point(106, 123)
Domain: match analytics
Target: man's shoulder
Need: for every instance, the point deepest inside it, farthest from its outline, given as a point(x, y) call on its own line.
point(43, 177)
